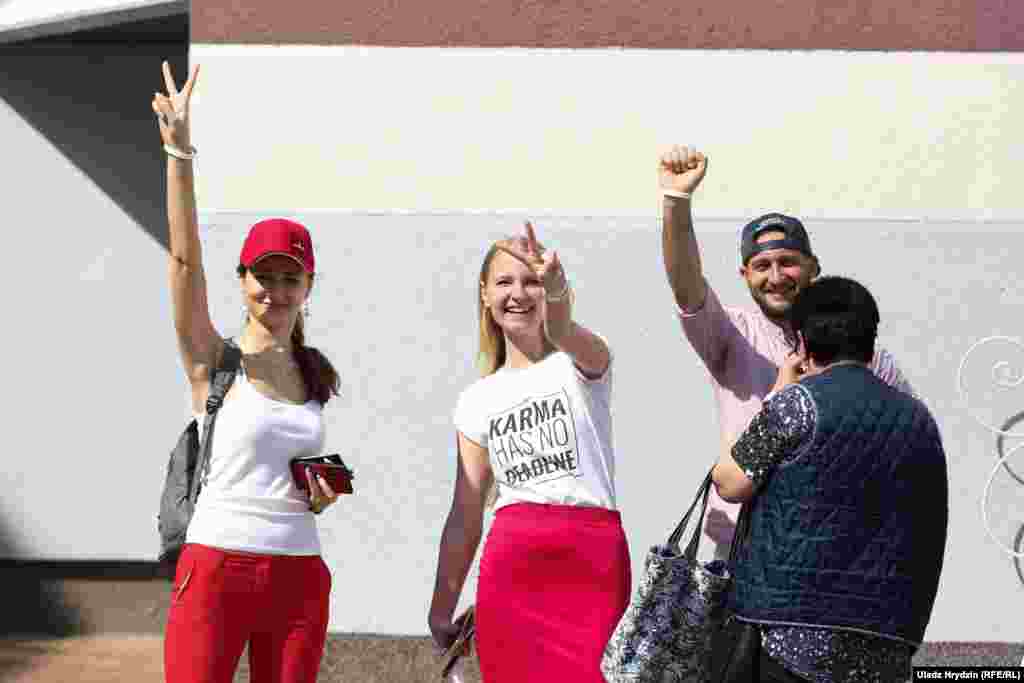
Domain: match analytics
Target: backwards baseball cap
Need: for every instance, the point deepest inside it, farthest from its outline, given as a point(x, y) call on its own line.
point(278, 236)
point(795, 235)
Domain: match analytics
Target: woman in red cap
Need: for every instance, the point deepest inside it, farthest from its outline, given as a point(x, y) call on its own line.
point(555, 572)
point(250, 571)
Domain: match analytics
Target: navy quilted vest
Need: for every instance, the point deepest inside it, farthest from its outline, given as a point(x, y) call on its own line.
point(851, 534)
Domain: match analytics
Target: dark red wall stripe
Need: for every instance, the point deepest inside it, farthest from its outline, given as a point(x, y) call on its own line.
point(955, 25)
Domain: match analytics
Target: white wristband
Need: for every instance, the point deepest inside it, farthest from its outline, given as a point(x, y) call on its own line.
point(675, 193)
point(180, 154)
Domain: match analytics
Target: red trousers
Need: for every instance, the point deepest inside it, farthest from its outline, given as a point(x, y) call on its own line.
point(554, 581)
point(221, 600)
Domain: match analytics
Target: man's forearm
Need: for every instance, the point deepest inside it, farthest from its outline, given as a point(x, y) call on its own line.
point(681, 253)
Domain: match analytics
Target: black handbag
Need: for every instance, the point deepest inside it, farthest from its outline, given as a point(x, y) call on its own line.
point(188, 462)
point(736, 646)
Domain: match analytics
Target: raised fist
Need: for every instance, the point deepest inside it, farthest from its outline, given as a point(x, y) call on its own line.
point(681, 169)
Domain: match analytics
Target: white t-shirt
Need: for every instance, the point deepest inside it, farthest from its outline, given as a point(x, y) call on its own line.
point(249, 500)
point(547, 430)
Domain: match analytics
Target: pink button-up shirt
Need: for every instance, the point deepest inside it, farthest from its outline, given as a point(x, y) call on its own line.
point(743, 350)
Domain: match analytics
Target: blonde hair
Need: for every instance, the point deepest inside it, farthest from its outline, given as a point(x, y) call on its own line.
point(492, 340)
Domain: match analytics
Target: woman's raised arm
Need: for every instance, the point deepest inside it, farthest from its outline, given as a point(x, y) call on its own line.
point(588, 351)
point(198, 341)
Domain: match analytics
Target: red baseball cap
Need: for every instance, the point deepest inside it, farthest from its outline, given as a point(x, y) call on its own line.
point(278, 236)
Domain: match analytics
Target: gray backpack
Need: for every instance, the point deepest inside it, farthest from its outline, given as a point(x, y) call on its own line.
point(189, 461)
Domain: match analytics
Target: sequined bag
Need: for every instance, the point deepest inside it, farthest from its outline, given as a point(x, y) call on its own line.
point(665, 634)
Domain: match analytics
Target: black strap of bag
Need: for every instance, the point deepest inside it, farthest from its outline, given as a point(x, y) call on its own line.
point(738, 539)
point(742, 534)
point(677, 534)
point(220, 383)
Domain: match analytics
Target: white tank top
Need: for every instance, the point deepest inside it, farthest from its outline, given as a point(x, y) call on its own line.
point(249, 501)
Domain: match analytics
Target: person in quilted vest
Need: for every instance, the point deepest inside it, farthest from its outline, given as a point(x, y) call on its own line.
point(847, 484)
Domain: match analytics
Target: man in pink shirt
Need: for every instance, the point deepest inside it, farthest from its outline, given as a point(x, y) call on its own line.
point(743, 349)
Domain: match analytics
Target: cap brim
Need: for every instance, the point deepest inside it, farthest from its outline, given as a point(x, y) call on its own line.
point(279, 253)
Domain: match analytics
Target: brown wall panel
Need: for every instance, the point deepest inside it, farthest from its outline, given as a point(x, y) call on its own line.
point(955, 25)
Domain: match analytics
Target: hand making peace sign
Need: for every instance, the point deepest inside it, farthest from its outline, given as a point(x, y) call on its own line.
point(544, 263)
point(172, 109)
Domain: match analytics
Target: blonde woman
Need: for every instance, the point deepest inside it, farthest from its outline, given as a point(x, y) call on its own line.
point(555, 572)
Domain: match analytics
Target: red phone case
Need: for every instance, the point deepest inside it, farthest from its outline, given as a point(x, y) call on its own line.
point(338, 477)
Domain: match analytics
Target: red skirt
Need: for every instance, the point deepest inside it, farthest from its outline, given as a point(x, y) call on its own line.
point(554, 581)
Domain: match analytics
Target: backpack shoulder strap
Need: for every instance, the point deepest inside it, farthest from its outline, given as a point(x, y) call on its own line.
point(224, 376)
point(220, 382)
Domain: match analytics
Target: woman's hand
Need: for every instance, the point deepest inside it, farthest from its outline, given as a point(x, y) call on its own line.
point(791, 370)
point(172, 109)
point(719, 526)
point(444, 633)
point(321, 495)
point(545, 264)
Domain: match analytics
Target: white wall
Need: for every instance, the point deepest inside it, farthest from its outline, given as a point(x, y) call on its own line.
point(395, 311)
point(85, 325)
point(90, 410)
point(576, 132)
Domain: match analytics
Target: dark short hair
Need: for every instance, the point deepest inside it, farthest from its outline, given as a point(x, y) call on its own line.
point(838, 319)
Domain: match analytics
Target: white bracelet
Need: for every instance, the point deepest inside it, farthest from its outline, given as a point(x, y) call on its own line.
point(557, 298)
point(179, 154)
point(675, 193)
